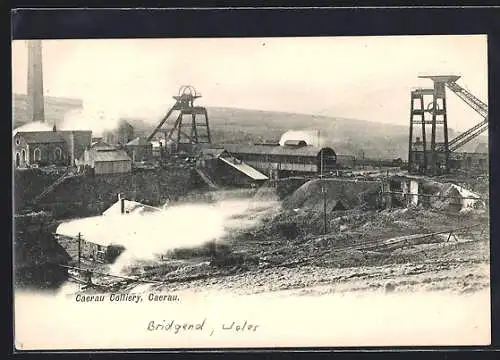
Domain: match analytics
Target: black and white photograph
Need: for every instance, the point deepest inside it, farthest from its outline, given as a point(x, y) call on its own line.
point(175, 193)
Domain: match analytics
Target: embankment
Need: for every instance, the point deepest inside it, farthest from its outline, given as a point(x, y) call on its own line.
point(88, 195)
point(37, 255)
point(28, 183)
point(340, 194)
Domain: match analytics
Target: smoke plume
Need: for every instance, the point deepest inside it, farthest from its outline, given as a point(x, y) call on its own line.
point(311, 137)
point(149, 235)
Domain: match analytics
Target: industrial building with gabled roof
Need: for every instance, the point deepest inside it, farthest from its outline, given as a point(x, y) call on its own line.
point(106, 161)
point(295, 158)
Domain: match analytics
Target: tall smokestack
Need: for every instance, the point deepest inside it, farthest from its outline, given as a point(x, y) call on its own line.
point(35, 81)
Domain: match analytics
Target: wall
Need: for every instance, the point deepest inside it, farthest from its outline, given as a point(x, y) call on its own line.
point(90, 250)
point(88, 195)
point(47, 152)
point(77, 142)
point(112, 167)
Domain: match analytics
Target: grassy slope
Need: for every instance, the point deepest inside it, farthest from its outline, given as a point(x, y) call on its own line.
point(55, 109)
point(230, 125)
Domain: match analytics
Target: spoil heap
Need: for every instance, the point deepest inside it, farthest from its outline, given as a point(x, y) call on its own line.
point(37, 254)
point(340, 195)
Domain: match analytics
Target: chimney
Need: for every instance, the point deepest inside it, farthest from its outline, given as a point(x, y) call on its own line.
point(122, 204)
point(35, 81)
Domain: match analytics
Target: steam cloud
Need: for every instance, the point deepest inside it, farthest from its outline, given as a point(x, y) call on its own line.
point(96, 120)
point(311, 137)
point(149, 235)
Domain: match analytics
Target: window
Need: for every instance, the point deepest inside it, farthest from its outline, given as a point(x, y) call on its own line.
point(17, 160)
point(18, 141)
point(58, 154)
point(23, 155)
point(38, 154)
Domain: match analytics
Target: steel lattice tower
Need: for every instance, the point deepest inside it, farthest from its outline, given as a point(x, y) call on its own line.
point(430, 157)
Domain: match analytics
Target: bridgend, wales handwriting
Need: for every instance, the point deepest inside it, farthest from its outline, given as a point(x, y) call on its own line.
point(125, 297)
point(175, 327)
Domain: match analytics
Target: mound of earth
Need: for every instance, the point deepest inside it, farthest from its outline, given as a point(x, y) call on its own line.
point(340, 195)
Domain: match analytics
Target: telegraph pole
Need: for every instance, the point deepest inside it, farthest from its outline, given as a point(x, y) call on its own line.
point(323, 190)
point(79, 250)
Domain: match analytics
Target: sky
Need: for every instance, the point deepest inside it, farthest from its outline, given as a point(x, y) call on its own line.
point(366, 78)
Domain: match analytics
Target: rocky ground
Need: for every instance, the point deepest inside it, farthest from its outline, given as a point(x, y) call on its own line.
point(389, 251)
point(366, 247)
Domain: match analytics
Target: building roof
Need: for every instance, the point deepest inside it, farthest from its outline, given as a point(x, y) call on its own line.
point(41, 137)
point(214, 152)
point(244, 168)
point(275, 150)
point(131, 207)
point(109, 155)
point(139, 141)
point(101, 145)
point(295, 143)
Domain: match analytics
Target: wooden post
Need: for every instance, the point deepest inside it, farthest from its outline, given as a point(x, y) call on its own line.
point(323, 190)
point(79, 249)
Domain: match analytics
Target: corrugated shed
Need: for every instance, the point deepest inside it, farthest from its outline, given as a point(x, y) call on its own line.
point(109, 155)
point(41, 137)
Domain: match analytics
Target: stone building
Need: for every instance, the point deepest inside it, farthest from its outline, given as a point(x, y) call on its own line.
point(48, 147)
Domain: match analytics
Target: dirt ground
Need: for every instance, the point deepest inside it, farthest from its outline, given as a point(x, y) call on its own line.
point(388, 250)
point(366, 247)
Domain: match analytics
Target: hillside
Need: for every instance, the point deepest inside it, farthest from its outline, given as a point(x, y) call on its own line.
point(231, 125)
point(55, 109)
point(347, 136)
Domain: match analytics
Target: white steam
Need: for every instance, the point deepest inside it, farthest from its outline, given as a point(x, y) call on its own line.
point(33, 126)
point(311, 137)
point(147, 236)
point(98, 121)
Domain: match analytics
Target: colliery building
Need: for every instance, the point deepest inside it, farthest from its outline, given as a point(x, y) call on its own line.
point(218, 167)
point(51, 147)
point(477, 160)
point(293, 157)
point(102, 159)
